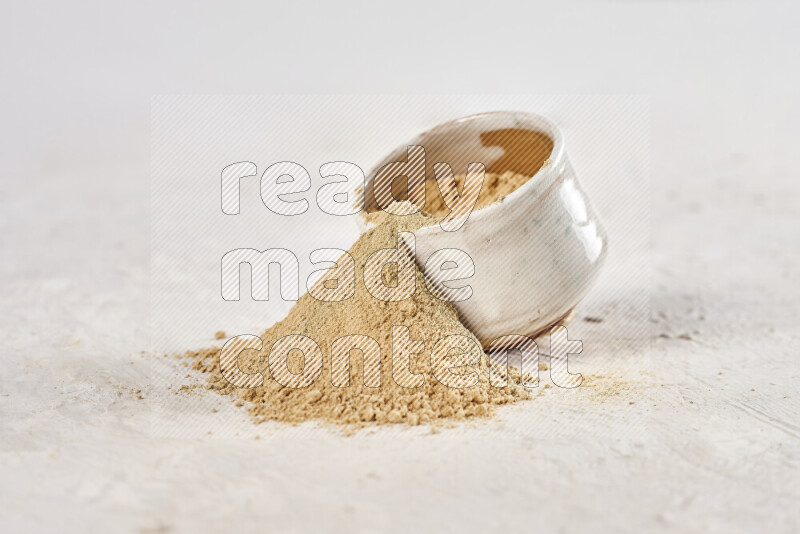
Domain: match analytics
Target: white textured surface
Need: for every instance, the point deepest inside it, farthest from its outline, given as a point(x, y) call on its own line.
point(712, 442)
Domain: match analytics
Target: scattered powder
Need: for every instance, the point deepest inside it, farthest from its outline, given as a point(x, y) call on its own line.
point(599, 389)
point(428, 319)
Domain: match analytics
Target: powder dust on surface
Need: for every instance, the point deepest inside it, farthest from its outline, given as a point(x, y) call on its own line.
point(427, 317)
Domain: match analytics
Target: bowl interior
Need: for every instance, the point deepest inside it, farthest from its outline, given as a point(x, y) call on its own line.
point(502, 141)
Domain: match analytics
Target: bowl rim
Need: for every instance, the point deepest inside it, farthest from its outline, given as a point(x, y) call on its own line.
point(537, 183)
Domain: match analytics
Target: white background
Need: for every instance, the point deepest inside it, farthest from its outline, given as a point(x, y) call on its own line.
point(711, 441)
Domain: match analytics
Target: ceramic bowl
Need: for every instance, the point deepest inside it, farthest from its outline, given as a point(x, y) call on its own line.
point(536, 252)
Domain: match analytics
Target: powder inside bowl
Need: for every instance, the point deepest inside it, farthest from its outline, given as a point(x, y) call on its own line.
point(427, 317)
point(524, 153)
point(495, 188)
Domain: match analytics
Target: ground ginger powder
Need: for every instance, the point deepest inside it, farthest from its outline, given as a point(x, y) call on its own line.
point(427, 317)
point(495, 188)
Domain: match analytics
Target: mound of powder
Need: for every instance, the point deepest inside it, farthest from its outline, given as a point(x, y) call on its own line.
point(427, 318)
